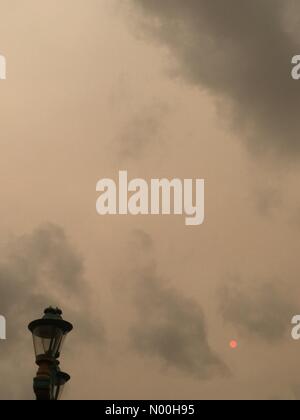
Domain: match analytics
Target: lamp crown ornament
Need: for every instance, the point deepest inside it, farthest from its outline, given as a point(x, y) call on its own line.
point(49, 312)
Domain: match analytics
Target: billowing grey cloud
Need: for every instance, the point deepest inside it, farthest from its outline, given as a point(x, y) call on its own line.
point(240, 51)
point(38, 270)
point(170, 326)
point(263, 311)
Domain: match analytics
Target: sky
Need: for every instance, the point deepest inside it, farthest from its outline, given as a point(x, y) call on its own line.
point(187, 89)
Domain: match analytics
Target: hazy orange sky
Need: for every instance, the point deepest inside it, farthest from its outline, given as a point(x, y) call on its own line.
point(98, 86)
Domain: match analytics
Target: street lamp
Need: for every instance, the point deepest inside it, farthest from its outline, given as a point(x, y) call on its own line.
point(49, 334)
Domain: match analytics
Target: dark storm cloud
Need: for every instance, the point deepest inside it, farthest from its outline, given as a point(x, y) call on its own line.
point(34, 268)
point(170, 326)
point(38, 270)
point(240, 51)
point(264, 311)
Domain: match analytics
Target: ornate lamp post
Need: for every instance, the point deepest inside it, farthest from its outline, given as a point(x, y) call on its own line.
point(49, 334)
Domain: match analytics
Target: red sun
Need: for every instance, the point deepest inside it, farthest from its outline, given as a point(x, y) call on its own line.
point(233, 344)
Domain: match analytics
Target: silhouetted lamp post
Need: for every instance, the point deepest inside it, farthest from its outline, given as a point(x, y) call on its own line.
point(49, 334)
